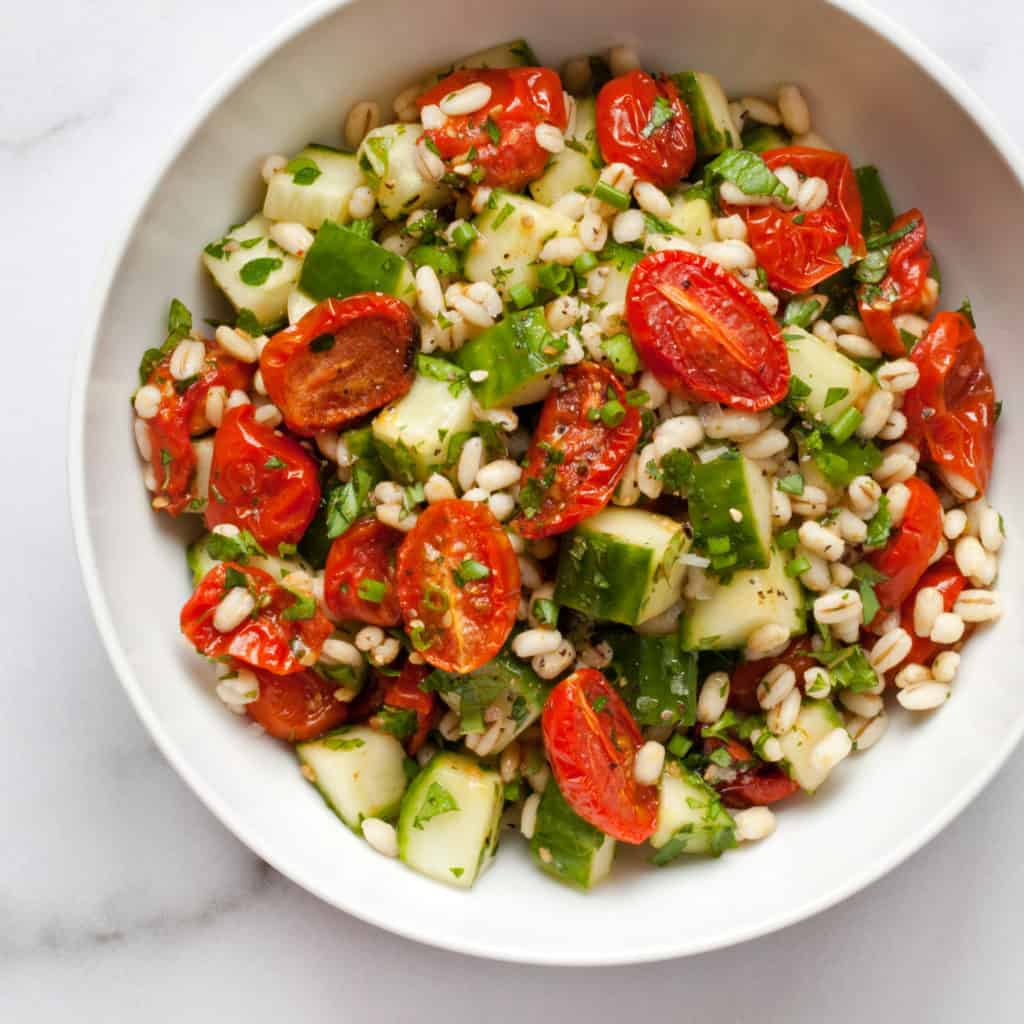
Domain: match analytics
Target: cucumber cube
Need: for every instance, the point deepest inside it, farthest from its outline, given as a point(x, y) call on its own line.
point(387, 157)
point(691, 818)
point(713, 128)
point(823, 382)
point(576, 166)
point(567, 847)
point(659, 679)
point(318, 187)
point(816, 720)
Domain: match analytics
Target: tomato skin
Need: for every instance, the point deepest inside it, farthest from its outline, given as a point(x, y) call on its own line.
point(904, 559)
point(624, 107)
point(594, 456)
point(463, 627)
point(797, 255)
point(265, 639)
point(945, 577)
point(521, 99)
point(404, 692)
point(703, 333)
point(296, 707)
point(182, 415)
point(591, 752)
point(951, 410)
point(747, 674)
point(756, 784)
point(368, 365)
point(274, 504)
point(902, 290)
point(366, 550)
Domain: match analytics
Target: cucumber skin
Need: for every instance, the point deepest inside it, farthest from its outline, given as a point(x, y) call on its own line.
point(707, 829)
point(341, 263)
point(660, 677)
point(719, 486)
point(571, 842)
point(708, 136)
point(513, 352)
point(764, 137)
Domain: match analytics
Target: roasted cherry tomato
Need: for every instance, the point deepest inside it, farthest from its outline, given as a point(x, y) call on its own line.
point(359, 580)
point(591, 741)
point(576, 457)
point(703, 333)
point(947, 579)
point(904, 559)
point(404, 694)
point(281, 628)
point(458, 585)
point(904, 289)
point(181, 415)
point(952, 409)
point(261, 481)
point(642, 122)
point(753, 783)
point(296, 707)
point(501, 133)
point(343, 359)
point(747, 674)
point(799, 249)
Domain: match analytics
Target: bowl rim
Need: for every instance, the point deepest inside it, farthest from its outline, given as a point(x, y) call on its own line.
point(362, 908)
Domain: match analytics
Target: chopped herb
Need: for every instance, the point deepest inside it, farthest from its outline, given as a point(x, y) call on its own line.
point(303, 608)
point(612, 196)
point(834, 395)
point(747, 171)
point(493, 130)
point(239, 548)
point(441, 369)
point(234, 578)
point(661, 114)
point(801, 313)
point(881, 241)
point(545, 611)
point(457, 872)
point(966, 310)
point(909, 340)
point(677, 471)
point(273, 463)
point(341, 741)
point(797, 566)
point(798, 389)
point(372, 590)
point(879, 525)
point(621, 353)
point(469, 570)
point(256, 272)
point(437, 801)
point(503, 215)
point(556, 278)
point(792, 484)
point(398, 722)
point(598, 703)
point(721, 757)
point(303, 170)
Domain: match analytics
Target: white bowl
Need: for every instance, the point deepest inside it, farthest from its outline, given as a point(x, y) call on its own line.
point(874, 91)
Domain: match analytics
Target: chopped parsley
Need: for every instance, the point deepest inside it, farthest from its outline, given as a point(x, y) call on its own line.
point(661, 114)
point(256, 272)
point(437, 801)
point(469, 570)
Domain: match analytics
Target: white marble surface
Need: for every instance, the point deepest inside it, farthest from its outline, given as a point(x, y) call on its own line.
point(121, 898)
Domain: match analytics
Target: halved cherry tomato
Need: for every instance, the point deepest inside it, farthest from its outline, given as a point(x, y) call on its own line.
point(904, 559)
point(575, 459)
point(902, 290)
point(296, 707)
point(270, 638)
point(458, 585)
point(754, 783)
point(261, 481)
point(591, 741)
point(947, 579)
point(180, 416)
point(343, 359)
point(642, 122)
point(952, 408)
point(747, 674)
point(701, 332)
point(799, 249)
point(404, 694)
point(500, 133)
point(364, 552)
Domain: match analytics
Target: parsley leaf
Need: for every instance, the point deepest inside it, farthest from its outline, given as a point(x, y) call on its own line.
point(437, 801)
point(661, 114)
point(256, 272)
point(747, 171)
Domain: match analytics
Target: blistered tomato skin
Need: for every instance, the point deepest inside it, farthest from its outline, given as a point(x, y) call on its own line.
point(704, 334)
point(344, 359)
point(404, 693)
point(748, 782)
point(575, 461)
point(947, 579)
point(592, 741)
point(297, 707)
point(458, 585)
point(642, 122)
point(261, 481)
point(366, 551)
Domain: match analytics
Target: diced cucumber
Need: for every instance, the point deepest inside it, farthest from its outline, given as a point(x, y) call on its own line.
point(512, 231)
point(342, 263)
point(816, 720)
point(731, 512)
point(387, 156)
point(692, 214)
point(713, 127)
point(823, 382)
point(567, 847)
point(619, 261)
point(359, 772)
point(203, 451)
point(412, 434)
point(520, 356)
point(299, 304)
point(515, 54)
point(691, 818)
point(253, 273)
point(504, 681)
point(317, 188)
point(622, 564)
point(577, 165)
point(449, 821)
point(751, 599)
point(201, 560)
point(658, 678)
point(828, 463)
point(759, 138)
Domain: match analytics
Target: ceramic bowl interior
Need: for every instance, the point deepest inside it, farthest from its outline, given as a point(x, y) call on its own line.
point(873, 92)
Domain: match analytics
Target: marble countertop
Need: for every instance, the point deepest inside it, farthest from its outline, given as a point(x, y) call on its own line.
point(121, 897)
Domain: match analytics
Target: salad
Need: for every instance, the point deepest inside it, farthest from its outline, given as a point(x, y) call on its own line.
point(586, 453)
